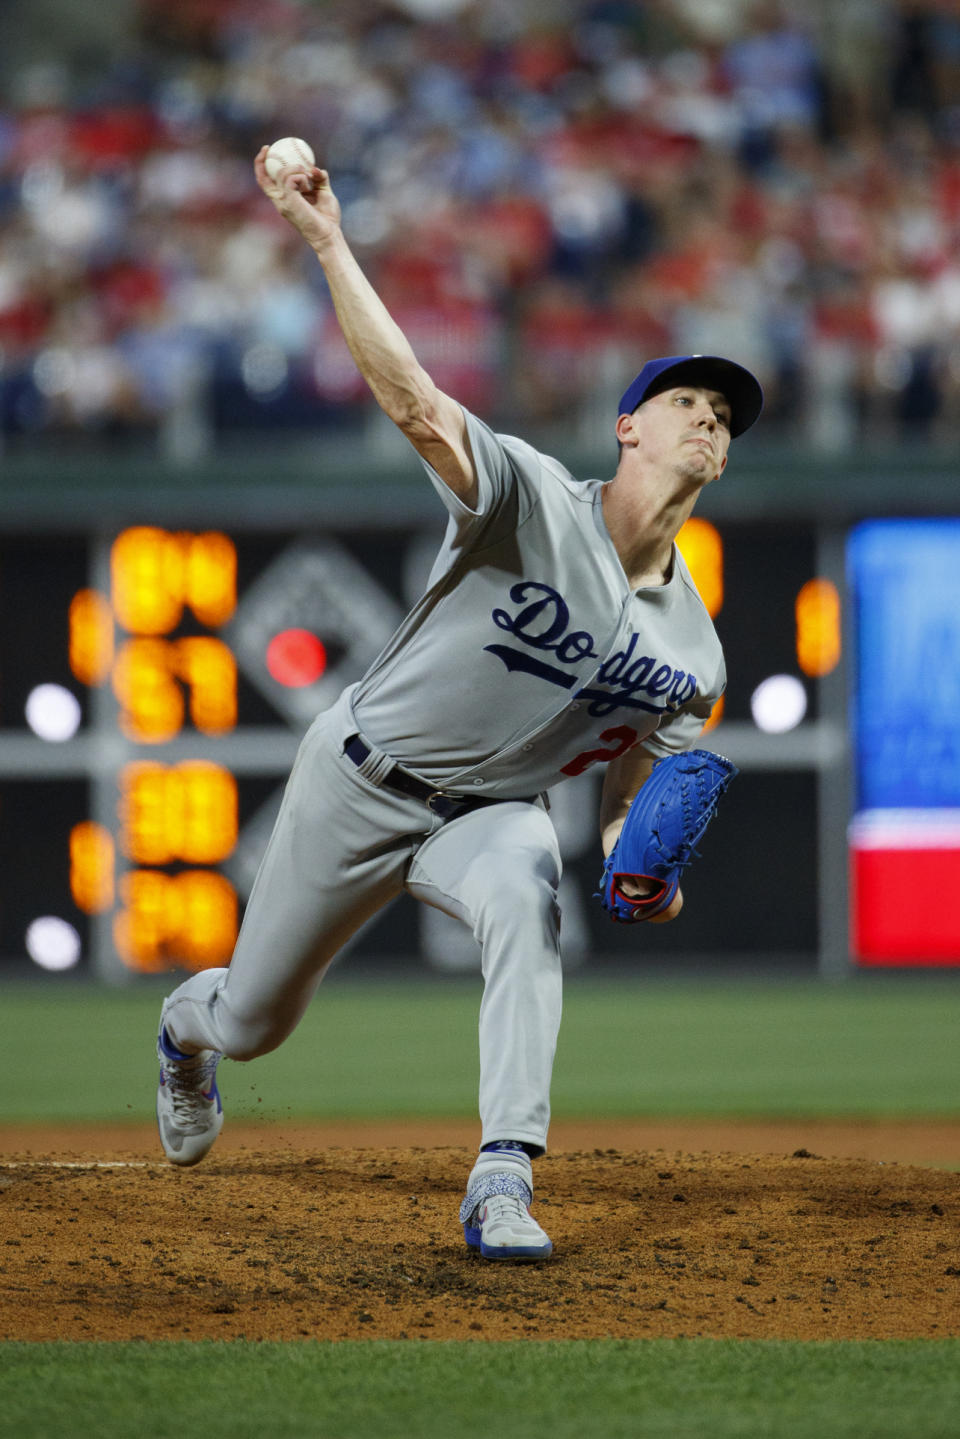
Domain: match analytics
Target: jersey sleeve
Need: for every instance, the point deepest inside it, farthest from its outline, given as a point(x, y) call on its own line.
point(508, 474)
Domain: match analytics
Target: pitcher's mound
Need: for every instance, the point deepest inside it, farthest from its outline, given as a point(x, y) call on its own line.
point(363, 1243)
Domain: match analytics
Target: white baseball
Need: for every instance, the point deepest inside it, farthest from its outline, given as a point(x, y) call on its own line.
point(286, 152)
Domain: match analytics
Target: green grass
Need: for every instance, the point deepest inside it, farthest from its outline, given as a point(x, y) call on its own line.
point(879, 1050)
point(643, 1389)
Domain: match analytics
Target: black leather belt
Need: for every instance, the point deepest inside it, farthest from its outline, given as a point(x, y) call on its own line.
point(438, 801)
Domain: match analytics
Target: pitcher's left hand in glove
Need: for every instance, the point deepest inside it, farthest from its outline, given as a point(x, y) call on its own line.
point(664, 822)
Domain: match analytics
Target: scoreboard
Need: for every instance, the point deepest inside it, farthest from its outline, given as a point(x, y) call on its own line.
point(151, 638)
point(155, 681)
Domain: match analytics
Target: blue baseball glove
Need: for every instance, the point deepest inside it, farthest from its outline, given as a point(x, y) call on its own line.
point(664, 822)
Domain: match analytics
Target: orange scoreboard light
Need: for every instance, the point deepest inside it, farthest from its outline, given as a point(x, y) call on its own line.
point(151, 639)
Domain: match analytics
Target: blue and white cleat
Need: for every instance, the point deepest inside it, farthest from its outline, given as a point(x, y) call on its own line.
point(504, 1228)
point(189, 1111)
point(495, 1211)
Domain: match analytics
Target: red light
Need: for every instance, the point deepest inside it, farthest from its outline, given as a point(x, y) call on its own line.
point(296, 658)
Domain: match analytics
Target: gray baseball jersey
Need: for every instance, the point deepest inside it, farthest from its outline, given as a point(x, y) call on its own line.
point(529, 657)
point(527, 660)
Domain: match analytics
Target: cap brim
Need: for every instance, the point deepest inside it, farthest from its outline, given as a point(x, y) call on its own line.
point(713, 372)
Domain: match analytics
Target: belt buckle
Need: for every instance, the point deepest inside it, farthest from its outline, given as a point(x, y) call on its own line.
point(431, 800)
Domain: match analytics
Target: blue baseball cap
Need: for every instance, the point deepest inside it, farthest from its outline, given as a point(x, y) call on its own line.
point(741, 388)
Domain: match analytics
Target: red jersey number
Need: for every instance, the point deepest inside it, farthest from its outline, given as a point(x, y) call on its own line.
point(620, 738)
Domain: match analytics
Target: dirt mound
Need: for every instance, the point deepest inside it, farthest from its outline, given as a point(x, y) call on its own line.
point(348, 1243)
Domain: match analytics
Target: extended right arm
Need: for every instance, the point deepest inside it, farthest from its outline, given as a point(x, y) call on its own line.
point(432, 421)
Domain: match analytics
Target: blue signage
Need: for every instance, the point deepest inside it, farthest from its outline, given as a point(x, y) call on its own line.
point(904, 578)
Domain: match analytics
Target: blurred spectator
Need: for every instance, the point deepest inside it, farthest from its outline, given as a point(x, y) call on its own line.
point(544, 198)
point(853, 42)
point(775, 77)
point(913, 69)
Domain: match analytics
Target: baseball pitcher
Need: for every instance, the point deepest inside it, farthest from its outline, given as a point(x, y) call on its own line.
point(560, 629)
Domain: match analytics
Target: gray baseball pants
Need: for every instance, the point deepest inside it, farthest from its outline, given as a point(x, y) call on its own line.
point(343, 847)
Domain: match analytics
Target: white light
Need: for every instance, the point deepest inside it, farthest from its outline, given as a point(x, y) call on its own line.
point(53, 943)
point(53, 713)
point(778, 704)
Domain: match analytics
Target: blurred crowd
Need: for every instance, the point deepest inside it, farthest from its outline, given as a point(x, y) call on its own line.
point(545, 194)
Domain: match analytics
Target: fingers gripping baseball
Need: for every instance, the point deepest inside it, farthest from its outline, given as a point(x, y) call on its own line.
point(303, 196)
